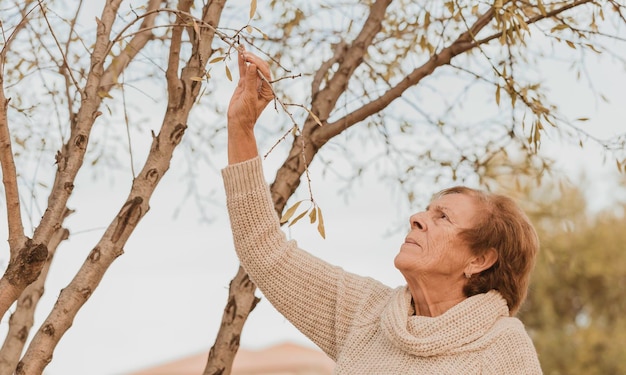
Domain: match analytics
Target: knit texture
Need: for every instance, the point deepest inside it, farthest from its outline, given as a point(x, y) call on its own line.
point(365, 326)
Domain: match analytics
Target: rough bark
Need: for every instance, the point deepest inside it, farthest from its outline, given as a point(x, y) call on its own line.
point(22, 319)
point(12, 283)
point(241, 301)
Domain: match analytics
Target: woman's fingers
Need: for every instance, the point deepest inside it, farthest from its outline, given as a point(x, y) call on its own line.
point(251, 77)
point(253, 91)
point(242, 67)
point(253, 81)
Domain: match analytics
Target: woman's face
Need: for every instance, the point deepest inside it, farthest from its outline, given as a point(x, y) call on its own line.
point(433, 248)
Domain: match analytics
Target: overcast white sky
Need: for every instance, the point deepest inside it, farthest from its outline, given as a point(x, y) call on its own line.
point(163, 298)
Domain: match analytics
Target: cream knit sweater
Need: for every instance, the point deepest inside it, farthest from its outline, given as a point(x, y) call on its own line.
point(365, 326)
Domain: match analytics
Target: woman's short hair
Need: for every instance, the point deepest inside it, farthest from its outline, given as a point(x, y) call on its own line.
point(500, 224)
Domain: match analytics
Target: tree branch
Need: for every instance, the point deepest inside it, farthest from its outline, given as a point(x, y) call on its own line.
point(70, 158)
point(535, 19)
point(288, 176)
point(121, 61)
point(9, 177)
point(462, 44)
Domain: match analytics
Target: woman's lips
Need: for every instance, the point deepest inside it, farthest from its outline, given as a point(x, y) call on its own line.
point(411, 241)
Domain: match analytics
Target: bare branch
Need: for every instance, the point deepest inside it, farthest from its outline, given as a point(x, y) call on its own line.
point(121, 61)
point(65, 65)
point(8, 41)
point(9, 177)
point(70, 159)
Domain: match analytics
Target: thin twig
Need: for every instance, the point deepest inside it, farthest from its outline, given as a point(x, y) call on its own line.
point(127, 123)
point(56, 41)
point(296, 130)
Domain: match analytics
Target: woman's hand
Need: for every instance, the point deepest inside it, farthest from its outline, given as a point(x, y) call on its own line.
point(249, 99)
point(252, 93)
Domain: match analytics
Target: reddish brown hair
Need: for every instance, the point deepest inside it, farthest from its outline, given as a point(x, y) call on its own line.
point(500, 224)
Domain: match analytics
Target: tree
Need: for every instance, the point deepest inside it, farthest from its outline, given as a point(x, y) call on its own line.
point(367, 64)
point(575, 310)
point(575, 307)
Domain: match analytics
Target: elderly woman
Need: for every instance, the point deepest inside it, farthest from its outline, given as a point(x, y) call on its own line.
point(466, 261)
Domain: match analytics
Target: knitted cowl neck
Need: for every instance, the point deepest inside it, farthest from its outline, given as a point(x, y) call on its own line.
point(449, 333)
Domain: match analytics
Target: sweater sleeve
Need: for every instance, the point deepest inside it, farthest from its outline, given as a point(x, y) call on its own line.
point(321, 300)
point(514, 353)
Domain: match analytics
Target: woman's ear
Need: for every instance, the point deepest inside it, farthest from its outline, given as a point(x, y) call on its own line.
point(482, 262)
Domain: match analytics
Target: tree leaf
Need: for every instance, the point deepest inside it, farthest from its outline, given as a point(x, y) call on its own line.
point(498, 95)
point(252, 8)
point(217, 59)
point(313, 215)
point(297, 218)
point(289, 213)
point(317, 119)
point(560, 26)
point(542, 8)
point(320, 223)
point(228, 75)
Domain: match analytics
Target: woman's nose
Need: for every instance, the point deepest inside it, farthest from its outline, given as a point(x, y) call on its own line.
point(417, 221)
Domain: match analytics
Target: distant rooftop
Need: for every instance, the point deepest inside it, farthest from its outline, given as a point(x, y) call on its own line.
point(282, 359)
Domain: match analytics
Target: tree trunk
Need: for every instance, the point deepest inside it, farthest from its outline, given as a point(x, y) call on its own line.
point(22, 319)
point(241, 301)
